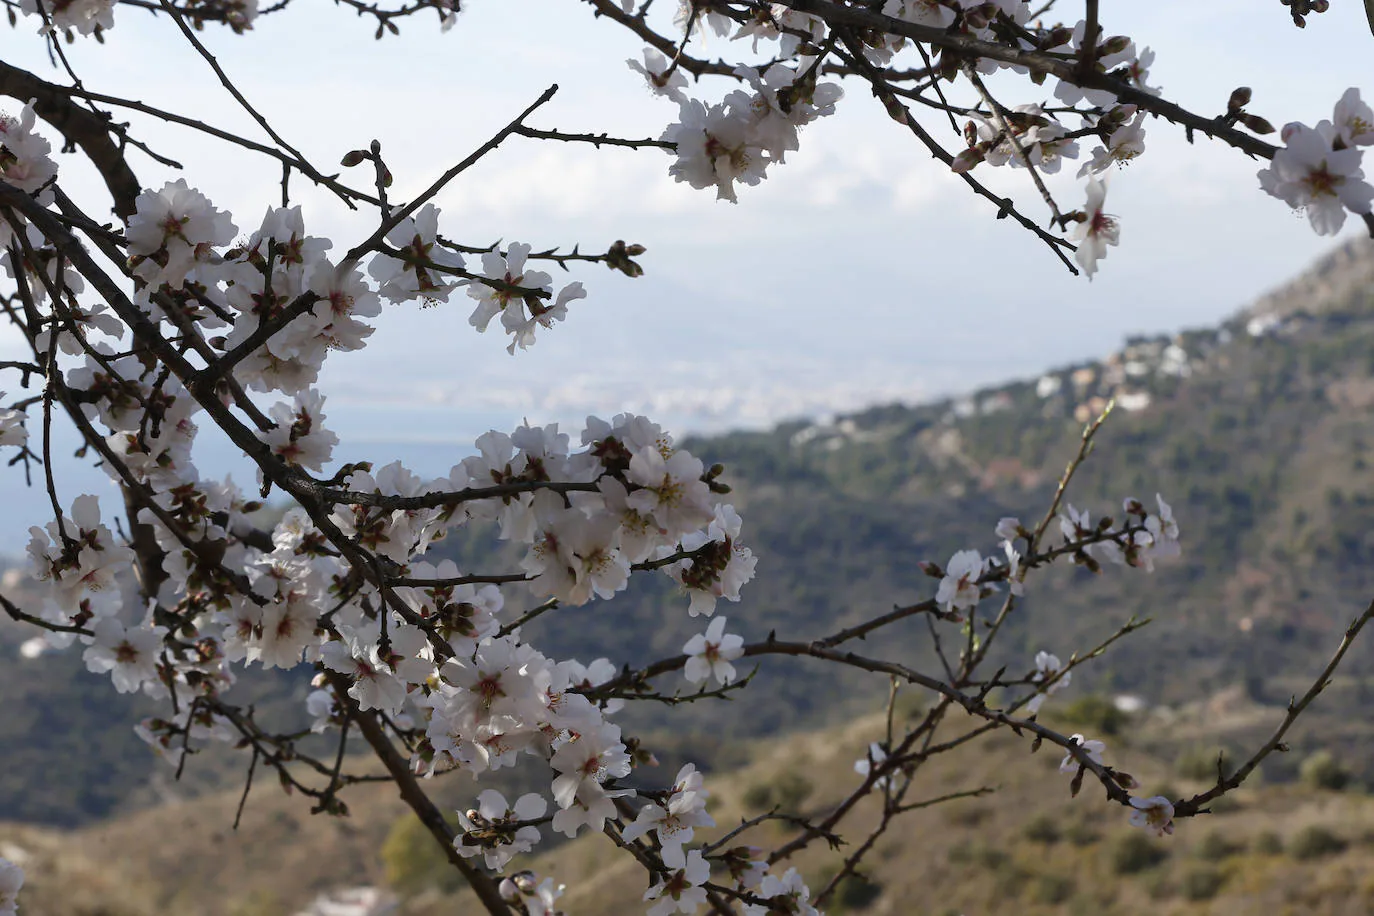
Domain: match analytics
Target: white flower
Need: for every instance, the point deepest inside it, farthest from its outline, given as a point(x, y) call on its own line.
point(653, 69)
point(507, 271)
point(864, 765)
point(1097, 231)
point(12, 430)
point(374, 687)
point(1071, 93)
point(796, 896)
point(1046, 667)
point(959, 588)
point(575, 558)
point(172, 231)
point(130, 655)
point(1153, 814)
point(587, 762)
point(681, 891)
point(713, 149)
point(721, 565)
point(1074, 524)
point(288, 627)
point(1015, 570)
point(85, 16)
point(11, 880)
point(920, 12)
point(1354, 119)
point(415, 273)
point(490, 828)
point(710, 654)
point(537, 899)
point(522, 328)
point(300, 437)
point(671, 490)
point(26, 164)
point(674, 822)
point(1308, 174)
point(1091, 749)
point(1124, 144)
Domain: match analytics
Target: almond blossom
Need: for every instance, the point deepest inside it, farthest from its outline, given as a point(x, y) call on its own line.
point(1091, 749)
point(959, 589)
point(421, 268)
point(129, 654)
point(681, 891)
point(1153, 814)
point(709, 654)
point(714, 149)
point(1049, 671)
point(11, 881)
point(173, 232)
point(12, 429)
point(1311, 175)
point(1097, 230)
point(491, 830)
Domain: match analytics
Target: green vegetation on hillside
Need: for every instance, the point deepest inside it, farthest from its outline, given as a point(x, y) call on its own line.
point(1258, 434)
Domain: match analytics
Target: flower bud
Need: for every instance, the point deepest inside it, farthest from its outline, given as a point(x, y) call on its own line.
point(979, 16)
point(1125, 780)
point(1257, 124)
point(1056, 37)
point(1239, 99)
point(966, 160)
point(1114, 45)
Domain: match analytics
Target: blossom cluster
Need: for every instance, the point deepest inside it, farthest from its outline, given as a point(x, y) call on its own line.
point(1318, 169)
point(91, 17)
point(969, 577)
point(345, 583)
point(347, 586)
point(1155, 814)
point(734, 141)
point(24, 163)
point(737, 139)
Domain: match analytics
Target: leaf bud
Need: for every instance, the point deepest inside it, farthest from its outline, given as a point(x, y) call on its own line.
point(895, 111)
point(353, 158)
point(1240, 97)
point(1257, 124)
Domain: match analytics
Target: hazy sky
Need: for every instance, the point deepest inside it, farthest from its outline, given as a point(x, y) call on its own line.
point(861, 271)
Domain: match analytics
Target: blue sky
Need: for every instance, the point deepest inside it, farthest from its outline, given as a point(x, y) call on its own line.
point(860, 272)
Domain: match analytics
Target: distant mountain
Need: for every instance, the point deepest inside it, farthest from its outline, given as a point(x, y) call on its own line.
point(1257, 431)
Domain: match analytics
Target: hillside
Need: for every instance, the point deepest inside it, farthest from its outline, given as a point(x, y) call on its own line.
point(1023, 847)
point(1257, 431)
